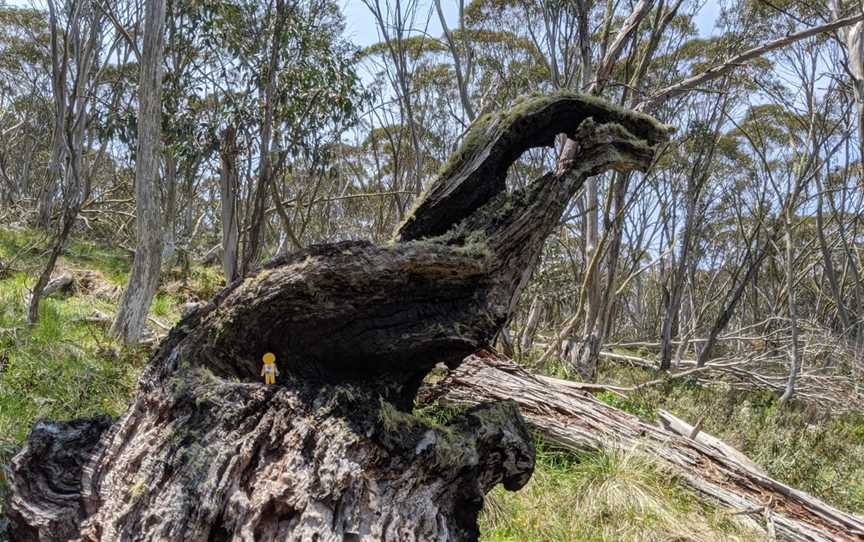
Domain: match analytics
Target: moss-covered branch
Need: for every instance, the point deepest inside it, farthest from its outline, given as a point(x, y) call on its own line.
point(477, 171)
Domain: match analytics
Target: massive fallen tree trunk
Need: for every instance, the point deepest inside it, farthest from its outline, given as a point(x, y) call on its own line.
point(207, 452)
point(571, 418)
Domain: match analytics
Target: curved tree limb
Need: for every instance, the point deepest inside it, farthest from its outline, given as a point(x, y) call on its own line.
point(720, 70)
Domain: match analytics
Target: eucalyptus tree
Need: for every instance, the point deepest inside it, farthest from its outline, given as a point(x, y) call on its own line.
point(697, 153)
point(131, 315)
point(463, 61)
point(80, 48)
point(280, 80)
point(399, 24)
point(642, 58)
point(25, 103)
point(790, 142)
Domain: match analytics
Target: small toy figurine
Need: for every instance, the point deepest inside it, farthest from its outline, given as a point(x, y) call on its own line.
point(269, 371)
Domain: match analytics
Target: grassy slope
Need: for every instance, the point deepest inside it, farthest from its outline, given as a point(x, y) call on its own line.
point(65, 368)
point(812, 450)
point(628, 497)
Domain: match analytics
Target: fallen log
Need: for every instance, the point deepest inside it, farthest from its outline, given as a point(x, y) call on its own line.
point(573, 419)
point(674, 424)
point(60, 282)
point(64, 280)
point(333, 452)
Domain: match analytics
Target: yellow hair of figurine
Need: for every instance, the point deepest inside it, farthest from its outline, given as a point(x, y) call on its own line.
point(269, 371)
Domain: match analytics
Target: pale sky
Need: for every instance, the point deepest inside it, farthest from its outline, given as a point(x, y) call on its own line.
point(362, 31)
point(361, 26)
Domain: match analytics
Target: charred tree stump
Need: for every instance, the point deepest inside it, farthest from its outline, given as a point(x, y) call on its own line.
point(333, 452)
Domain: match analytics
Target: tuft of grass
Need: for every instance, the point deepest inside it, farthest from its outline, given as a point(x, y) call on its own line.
point(606, 496)
point(61, 368)
point(206, 282)
point(113, 263)
point(163, 305)
point(816, 451)
point(198, 284)
point(635, 407)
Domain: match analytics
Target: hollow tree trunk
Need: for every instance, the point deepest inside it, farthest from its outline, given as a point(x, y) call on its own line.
point(207, 452)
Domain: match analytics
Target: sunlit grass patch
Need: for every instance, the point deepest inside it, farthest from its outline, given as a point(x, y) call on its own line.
point(816, 451)
point(163, 305)
point(114, 263)
point(21, 244)
point(605, 496)
point(206, 281)
point(27, 250)
point(63, 367)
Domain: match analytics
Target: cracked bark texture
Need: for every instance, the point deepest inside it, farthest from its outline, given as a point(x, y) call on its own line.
point(333, 451)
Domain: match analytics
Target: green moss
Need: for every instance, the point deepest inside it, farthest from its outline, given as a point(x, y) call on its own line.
point(137, 488)
point(196, 461)
point(450, 447)
point(484, 128)
point(477, 135)
point(393, 420)
point(494, 125)
point(474, 244)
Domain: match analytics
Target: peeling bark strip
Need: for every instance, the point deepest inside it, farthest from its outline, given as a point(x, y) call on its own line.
point(574, 420)
point(207, 452)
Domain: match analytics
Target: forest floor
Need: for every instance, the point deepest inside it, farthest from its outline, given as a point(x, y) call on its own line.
point(67, 366)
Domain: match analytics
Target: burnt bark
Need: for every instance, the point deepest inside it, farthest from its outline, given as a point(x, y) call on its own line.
point(333, 451)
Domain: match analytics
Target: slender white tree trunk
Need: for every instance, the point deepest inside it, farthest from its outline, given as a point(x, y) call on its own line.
point(144, 277)
point(527, 339)
point(793, 312)
point(169, 245)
